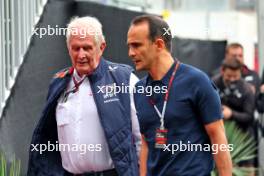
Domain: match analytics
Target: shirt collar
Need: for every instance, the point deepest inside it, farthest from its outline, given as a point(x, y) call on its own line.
point(96, 74)
point(165, 80)
point(77, 76)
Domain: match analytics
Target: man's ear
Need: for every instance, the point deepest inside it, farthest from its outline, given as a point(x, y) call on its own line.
point(222, 70)
point(68, 47)
point(160, 44)
point(102, 47)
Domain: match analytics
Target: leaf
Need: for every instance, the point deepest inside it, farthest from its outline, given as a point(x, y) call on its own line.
point(244, 148)
point(14, 169)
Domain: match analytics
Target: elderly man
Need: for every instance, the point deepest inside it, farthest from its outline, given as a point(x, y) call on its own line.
point(87, 128)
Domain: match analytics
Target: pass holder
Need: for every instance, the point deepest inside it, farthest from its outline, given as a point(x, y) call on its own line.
point(161, 138)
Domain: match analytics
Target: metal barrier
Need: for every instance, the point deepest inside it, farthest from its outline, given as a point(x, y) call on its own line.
point(17, 20)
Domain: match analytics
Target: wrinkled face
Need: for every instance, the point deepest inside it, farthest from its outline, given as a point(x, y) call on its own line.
point(85, 53)
point(230, 75)
point(235, 53)
point(140, 48)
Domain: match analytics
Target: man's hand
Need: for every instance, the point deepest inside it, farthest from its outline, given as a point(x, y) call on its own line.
point(216, 133)
point(227, 112)
point(262, 88)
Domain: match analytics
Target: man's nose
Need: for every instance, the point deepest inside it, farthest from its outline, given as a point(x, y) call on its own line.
point(232, 79)
point(131, 52)
point(82, 53)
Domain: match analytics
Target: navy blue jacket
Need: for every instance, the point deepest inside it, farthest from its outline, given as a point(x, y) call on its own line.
point(114, 112)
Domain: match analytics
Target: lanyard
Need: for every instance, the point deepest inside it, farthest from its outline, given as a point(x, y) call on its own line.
point(74, 89)
point(77, 84)
point(162, 114)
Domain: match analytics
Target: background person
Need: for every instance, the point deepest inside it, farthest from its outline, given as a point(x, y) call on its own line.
point(238, 99)
point(236, 51)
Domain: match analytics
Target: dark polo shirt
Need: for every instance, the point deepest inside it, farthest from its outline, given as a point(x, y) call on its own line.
point(193, 102)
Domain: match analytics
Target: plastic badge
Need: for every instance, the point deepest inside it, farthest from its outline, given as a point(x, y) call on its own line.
point(161, 138)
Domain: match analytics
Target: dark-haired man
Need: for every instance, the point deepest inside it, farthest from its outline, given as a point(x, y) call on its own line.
point(236, 94)
point(188, 113)
point(237, 97)
point(236, 51)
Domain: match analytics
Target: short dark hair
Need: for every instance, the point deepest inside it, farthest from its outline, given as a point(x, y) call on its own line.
point(157, 28)
point(232, 64)
point(233, 45)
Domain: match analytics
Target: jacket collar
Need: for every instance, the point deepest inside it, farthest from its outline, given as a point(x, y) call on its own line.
point(98, 72)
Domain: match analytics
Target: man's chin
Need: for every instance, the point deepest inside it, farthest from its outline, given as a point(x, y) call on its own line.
point(82, 71)
point(139, 68)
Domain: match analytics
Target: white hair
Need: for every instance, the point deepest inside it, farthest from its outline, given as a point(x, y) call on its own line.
point(89, 25)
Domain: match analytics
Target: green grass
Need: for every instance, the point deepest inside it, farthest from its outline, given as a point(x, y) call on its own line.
point(13, 170)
